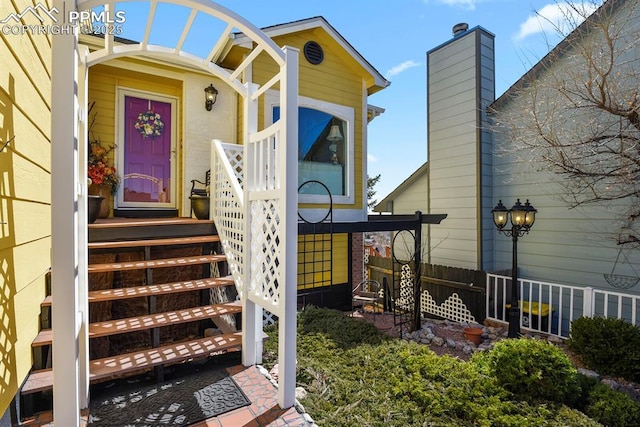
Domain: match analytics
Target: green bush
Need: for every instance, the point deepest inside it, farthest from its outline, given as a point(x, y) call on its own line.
point(357, 376)
point(608, 346)
point(612, 408)
point(530, 369)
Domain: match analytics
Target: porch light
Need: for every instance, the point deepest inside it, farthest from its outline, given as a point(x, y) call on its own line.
point(522, 219)
point(210, 95)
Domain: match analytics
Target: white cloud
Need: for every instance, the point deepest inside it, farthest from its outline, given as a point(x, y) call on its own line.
point(402, 67)
point(553, 17)
point(371, 158)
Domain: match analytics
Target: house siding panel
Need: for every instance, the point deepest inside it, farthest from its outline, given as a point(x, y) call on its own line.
point(455, 79)
point(573, 246)
point(413, 199)
point(25, 210)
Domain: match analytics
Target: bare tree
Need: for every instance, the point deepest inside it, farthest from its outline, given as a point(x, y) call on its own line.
point(576, 114)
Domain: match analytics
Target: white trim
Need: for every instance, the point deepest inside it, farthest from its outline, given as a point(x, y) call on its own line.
point(339, 215)
point(83, 231)
point(65, 222)
point(121, 92)
point(287, 343)
point(271, 99)
point(365, 150)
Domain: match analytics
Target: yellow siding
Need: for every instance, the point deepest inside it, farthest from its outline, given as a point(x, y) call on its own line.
point(103, 81)
point(340, 258)
point(25, 201)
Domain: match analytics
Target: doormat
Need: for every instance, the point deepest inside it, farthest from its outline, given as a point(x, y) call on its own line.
point(180, 402)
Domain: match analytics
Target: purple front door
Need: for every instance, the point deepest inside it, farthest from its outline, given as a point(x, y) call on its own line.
point(147, 153)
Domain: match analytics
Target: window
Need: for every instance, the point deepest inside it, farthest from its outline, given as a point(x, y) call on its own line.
point(325, 150)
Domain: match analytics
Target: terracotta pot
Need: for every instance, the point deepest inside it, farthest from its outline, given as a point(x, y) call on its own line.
point(105, 192)
point(473, 334)
point(94, 204)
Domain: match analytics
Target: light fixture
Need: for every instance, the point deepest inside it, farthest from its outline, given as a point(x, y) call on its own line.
point(522, 219)
point(334, 137)
point(335, 134)
point(210, 96)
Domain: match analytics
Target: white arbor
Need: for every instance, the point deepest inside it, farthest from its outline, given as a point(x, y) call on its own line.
point(268, 205)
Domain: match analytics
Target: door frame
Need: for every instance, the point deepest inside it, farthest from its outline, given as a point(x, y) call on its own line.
point(118, 202)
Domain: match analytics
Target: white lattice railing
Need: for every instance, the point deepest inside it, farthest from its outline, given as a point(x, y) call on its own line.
point(265, 195)
point(227, 207)
point(550, 308)
point(228, 212)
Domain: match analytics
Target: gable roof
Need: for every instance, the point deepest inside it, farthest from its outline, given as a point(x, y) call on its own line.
point(384, 205)
point(239, 39)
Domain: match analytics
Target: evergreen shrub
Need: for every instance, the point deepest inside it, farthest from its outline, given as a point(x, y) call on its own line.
point(607, 346)
point(530, 369)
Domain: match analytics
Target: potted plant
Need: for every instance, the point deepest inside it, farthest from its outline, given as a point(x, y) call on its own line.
point(94, 205)
point(100, 170)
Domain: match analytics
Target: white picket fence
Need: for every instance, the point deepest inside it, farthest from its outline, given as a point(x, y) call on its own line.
point(550, 308)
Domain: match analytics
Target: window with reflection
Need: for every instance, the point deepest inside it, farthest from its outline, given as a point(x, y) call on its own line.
point(322, 151)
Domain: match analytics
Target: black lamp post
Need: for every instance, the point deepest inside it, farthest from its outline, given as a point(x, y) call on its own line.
point(522, 218)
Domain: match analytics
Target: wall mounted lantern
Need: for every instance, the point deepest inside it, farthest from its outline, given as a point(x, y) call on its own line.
point(210, 96)
point(522, 218)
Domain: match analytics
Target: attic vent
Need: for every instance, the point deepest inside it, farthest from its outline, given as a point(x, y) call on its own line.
point(313, 52)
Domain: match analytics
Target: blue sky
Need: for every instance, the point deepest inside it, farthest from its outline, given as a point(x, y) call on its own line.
point(394, 36)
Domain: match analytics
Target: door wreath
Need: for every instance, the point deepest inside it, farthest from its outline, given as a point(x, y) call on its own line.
point(149, 124)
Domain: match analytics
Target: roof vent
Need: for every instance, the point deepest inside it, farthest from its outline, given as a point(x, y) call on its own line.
point(460, 28)
point(313, 52)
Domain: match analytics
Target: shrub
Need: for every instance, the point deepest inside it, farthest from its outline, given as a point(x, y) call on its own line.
point(530, 369)
point(608, 346)
point(612, 408)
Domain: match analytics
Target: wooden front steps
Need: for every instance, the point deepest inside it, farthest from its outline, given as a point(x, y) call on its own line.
point(108, 367)
point(155, 263)
point(140, 323)
point(162, 289)
point(151, 240)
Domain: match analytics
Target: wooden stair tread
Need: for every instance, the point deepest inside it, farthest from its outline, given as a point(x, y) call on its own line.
point(44, 337)
point(195, 240)
point(39, 380)
point(176, 352)
point(160, 289)
point(155, 263)
point(42, 380)
point(139, 323)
